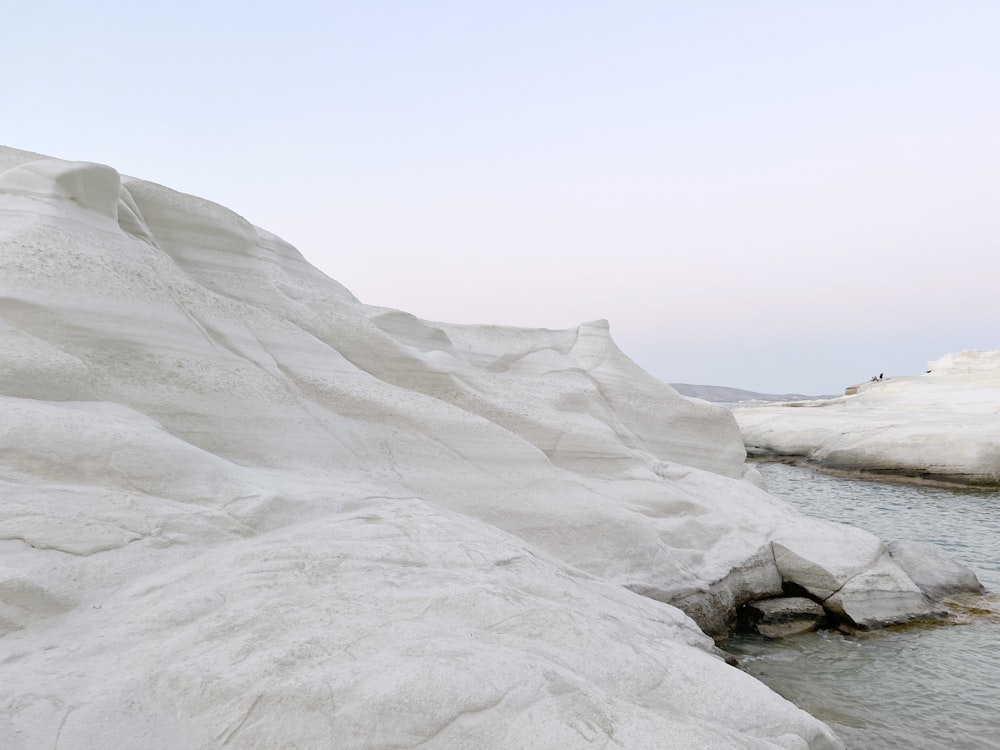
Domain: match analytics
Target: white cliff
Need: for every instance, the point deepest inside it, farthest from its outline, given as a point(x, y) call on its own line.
point(943, 425)
point(241, 508)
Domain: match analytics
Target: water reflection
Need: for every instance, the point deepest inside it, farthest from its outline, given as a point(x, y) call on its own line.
point(929, 688)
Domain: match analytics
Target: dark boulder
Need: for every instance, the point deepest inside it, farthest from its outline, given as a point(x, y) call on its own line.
point(778, 618)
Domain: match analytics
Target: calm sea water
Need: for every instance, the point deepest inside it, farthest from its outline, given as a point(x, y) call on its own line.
point(927, 688)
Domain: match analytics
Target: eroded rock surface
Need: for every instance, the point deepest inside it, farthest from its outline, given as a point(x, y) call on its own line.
point(939, 426)
point(242, 508)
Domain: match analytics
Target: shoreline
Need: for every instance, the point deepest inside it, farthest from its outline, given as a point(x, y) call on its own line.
point(888, 476)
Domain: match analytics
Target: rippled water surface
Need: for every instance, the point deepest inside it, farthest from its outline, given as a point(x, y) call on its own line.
point(928, 688)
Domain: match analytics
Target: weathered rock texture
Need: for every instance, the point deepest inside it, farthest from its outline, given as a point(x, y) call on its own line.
point(241, 508)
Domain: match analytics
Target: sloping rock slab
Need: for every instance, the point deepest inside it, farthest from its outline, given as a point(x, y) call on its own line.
point(936, 575)
point(821, 559)
point(880, 596)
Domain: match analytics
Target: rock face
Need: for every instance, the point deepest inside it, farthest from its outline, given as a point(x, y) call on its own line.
point(856, 579)
point(242, 508)
point(936, 575)
point(940, 426)
point(883, 594)
point(823, 560)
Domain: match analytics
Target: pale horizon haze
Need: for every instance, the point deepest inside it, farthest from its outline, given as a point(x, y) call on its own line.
point(776, 196)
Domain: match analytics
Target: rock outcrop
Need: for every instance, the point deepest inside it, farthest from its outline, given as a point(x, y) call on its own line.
point(935, 574)
point(242, 508)
point(781, 617)
point(942, 426)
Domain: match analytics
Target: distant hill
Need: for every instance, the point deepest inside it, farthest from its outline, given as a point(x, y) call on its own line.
point(721, 393)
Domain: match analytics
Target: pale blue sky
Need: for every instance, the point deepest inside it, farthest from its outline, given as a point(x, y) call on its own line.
point(779, 196)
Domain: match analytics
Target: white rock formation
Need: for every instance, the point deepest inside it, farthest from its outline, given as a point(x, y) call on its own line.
point(823, 559)
point(881, 594)
point(937, 576)
point(854, 576)
point(940, 426)
point(241, 508)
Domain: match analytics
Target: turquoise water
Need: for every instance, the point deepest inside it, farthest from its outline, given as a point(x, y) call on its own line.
point(928, 688)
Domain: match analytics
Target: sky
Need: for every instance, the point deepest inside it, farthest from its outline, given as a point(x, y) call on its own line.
point(787, 197)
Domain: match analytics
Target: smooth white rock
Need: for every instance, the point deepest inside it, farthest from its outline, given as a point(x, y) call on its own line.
point(882, 594)
point(937, 575)
point(391, 625)
point(943, 425)
point(240, 507)
point(823, 559)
